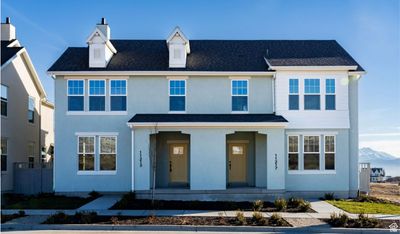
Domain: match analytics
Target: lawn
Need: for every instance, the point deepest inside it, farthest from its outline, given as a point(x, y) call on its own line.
point(366, 207)
point(43, 201)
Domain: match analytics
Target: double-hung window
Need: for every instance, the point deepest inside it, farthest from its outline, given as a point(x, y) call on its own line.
point(330, 102)
point(329, 152)
point(86, 146)
point(4, 152)
point(177, 95)
point(240, 95)
point(293, 152)
point(31, 155)
point(118, 95)
point(312, 94)
point(97, 93)
point(4, 100)
point(31, 110)
point(293, 94)
point(76, 93)
point(108, 152)
point(311, 152)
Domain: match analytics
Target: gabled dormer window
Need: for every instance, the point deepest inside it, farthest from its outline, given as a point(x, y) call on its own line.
point(178, 47)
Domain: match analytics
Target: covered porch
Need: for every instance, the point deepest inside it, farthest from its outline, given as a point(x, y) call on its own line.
point(207, 154)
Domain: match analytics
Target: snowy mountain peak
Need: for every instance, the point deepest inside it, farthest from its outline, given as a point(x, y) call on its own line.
point(368, 154)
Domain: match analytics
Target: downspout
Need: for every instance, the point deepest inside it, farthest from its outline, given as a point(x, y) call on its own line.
point(40, 144)
point(133, 158)
point(273, 93)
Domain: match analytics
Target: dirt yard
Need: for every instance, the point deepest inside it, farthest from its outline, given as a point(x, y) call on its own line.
point(386, 191)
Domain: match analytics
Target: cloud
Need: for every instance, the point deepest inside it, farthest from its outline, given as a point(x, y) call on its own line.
point(387, 134)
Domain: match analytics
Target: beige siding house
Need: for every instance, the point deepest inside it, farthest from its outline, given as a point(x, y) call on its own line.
point(26, 115)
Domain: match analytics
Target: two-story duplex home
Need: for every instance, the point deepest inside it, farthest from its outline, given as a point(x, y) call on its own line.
point(26, 114)
point(206, 119)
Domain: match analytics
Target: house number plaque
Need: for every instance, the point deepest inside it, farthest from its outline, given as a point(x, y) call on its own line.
point(140, 158)
point(276, 162)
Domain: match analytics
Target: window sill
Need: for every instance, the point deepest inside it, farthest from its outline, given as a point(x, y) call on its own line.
point(96, 173)
point(312, 172)
point(96, 113)
point(239, 112)
point(176, 112)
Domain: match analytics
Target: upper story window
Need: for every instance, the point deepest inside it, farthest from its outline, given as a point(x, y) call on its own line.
point(311, 152)
point(76, 93)
point(312, 94)
point(330, 102)
point(97, 93)
point(329, 152)
point(293, 94)
point(4, 152)
point(31, 110)
point(240, 95)
point(293, 153)
point(177, 93)
point(118, 95)
point(4, 100)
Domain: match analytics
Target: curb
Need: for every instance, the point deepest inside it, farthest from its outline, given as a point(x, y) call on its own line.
point(96, 227)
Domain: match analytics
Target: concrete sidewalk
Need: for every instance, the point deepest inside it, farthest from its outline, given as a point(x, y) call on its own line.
point(102, 203)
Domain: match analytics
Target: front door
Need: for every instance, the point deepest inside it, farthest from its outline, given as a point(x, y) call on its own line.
point(237, 163)
point(178, 163)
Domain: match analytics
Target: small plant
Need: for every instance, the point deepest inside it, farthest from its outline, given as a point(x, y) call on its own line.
point(59, 217)
point(221, 219)
point(114, 220)
point(240, 219)
point(280, 204)
point(258, 218)
point(364, 221)
point(258, 205)
point(151, 219)
point(276, 220)
point(94, 194)
point(339, 220)
point(329, 196)
point(294, 202)
point(304, 206)
point(184, 220)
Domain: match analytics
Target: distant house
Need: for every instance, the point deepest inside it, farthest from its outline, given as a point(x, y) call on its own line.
point(26, 115)
point(206, 119)
point(377, 174)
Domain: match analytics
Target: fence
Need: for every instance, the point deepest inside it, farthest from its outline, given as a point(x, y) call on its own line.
point(365, 173)
point(33, 178)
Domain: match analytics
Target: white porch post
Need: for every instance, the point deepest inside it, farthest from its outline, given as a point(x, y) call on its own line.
point(133, 159)
point(276, 159)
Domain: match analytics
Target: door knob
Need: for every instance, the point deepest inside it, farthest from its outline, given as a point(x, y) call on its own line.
point(230, 165)
point(170, 166)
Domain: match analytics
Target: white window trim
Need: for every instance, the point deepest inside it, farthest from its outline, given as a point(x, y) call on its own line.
point(176, 95)
point(76, 95)
point(34, 106)
point(116, 153)
point(321, 103)
point(97, 95)
point(290, 152)
point(118, 95)
point(329, 94)
point(6, 154)
point(33, 153)
point(240, 95)
point(94, 153)
point(334, 152)
point(298, 94)
point(6, 100)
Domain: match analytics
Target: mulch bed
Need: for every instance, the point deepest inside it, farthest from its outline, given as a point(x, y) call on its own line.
point(142, 204)
point(152, 220)
point(382, 223)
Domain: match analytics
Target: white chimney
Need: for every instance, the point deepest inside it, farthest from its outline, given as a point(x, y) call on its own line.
point(7, 31)
point(179, 48)
point(100, 48)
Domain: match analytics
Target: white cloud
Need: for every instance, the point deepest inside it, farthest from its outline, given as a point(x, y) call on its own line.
point(388, 134)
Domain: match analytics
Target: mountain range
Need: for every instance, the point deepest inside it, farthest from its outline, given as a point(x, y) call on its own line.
point(389, 163)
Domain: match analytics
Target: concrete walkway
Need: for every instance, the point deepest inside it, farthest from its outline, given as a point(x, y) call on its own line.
point(102, 203)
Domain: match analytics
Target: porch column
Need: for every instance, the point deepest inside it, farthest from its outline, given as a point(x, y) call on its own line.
point(141, 159)
point(207, 159)
point(276, 158)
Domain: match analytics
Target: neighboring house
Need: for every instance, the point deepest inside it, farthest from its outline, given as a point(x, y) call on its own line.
point(206, 119)
point(377, 174)
point(26, 115)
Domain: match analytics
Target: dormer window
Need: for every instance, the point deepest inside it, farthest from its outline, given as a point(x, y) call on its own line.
point(178, 47)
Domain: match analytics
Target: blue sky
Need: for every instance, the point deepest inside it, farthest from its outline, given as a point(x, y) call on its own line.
point(368, 29)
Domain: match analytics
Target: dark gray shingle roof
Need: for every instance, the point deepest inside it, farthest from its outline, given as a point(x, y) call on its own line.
point(212, 55)
point(206, 118)
point(8, 52)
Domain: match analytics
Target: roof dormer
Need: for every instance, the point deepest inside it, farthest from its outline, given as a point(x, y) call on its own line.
point(179, 48)
point(100, 48)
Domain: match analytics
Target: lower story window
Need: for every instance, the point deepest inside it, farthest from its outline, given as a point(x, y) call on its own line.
point(31, 155)
point(92, 158)
point(3, 154)
point(293, 152)
point(329, 152)
point(311, 153)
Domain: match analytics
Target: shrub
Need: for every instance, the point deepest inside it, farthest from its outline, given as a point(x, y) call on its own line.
point(339, 220)
point(280, 204)
point(94, 194)
point(294, 202)
point(258, 218)
point(114, 220)
point(59, 217)
point(364, 221)
point(276, 220)
point(85, 217)
point(151, 219)
point(240, 219)
point(258, 205)
point(304, 206)
point(329, 196)
point(184, 220)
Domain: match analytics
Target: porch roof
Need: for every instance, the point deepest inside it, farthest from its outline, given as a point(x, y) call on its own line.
point(206, 118)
